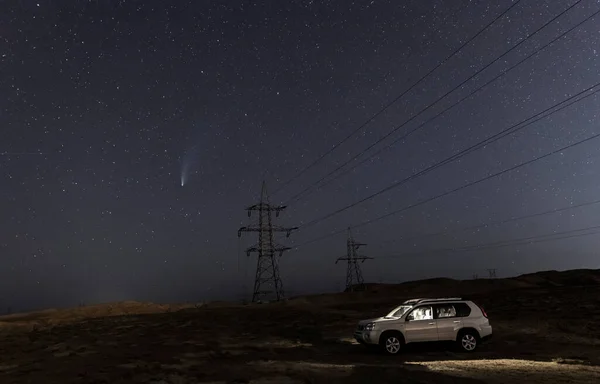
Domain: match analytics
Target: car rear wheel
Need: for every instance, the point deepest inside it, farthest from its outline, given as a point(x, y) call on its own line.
point(391, 343)
point(468, 341)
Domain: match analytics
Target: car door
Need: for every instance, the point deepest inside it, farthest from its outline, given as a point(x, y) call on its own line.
point(447, 321)
point(420, 325)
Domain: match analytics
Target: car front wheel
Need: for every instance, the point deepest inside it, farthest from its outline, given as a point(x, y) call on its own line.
point(391, 344)
point(468, 341)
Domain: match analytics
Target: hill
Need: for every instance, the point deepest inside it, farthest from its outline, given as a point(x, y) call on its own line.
point(53, 316)
point(462, 288)
point(546, 329)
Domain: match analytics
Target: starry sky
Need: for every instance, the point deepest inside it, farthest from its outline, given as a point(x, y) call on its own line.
point(107, 107)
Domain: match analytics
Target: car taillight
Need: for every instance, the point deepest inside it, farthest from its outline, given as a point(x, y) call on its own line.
point(482, 311)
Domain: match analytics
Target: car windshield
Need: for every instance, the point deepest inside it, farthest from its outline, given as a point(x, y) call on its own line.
point(399, 311)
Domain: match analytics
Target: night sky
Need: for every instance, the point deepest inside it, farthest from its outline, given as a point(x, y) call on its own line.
point(106, 106)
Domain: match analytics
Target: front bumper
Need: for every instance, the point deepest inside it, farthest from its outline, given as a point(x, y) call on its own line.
point(367, 337)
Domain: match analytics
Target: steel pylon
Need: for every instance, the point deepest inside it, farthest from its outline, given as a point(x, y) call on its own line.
point(354, 277)
point(267, 281)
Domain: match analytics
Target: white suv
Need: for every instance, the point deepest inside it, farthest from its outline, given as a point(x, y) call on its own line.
point(423, 320)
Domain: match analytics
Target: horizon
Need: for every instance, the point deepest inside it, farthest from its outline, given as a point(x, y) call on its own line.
point(246, 299)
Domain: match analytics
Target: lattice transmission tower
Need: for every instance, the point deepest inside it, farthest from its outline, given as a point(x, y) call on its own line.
point(354, 278)
point(267, 283)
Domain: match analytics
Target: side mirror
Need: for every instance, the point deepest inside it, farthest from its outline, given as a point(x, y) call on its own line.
point(409, 318)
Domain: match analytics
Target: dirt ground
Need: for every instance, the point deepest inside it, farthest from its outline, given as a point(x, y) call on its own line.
point(546, 330)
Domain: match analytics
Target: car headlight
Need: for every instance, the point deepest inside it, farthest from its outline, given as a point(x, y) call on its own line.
point(369, 326)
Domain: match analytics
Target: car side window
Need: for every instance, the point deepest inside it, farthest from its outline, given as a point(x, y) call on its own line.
point(462, 310)
point(421, 313)
point(443, 311)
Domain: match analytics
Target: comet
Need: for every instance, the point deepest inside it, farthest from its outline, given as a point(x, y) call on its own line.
point(185, 169)
point(189, 163)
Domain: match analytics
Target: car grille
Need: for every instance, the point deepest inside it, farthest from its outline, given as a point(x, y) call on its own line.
point(360, 327)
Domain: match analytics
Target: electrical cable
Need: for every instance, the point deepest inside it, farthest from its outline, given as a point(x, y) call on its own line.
point(373, 117)
point(303, 193)
point(510, 130)
point(428, 39)
point(506, 243)
point(489, 177)
point(498, 222)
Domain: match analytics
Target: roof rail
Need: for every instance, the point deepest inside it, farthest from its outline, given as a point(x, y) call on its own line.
point(416, 300)
point(440, 299)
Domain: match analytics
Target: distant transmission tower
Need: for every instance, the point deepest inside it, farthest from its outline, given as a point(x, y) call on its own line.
point(354, 278)
point(267, 283)
point(492, 273)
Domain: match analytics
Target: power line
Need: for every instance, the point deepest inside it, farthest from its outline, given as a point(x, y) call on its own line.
point(370, 221)
point(432, 104)
point(499, 222)
point(510, 130)
point(302, 193)
point(507, 243)
point(373, 117)
point(428, 39)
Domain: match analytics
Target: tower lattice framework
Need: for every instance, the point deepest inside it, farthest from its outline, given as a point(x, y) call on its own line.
point(354, 277)
point(267, 281)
